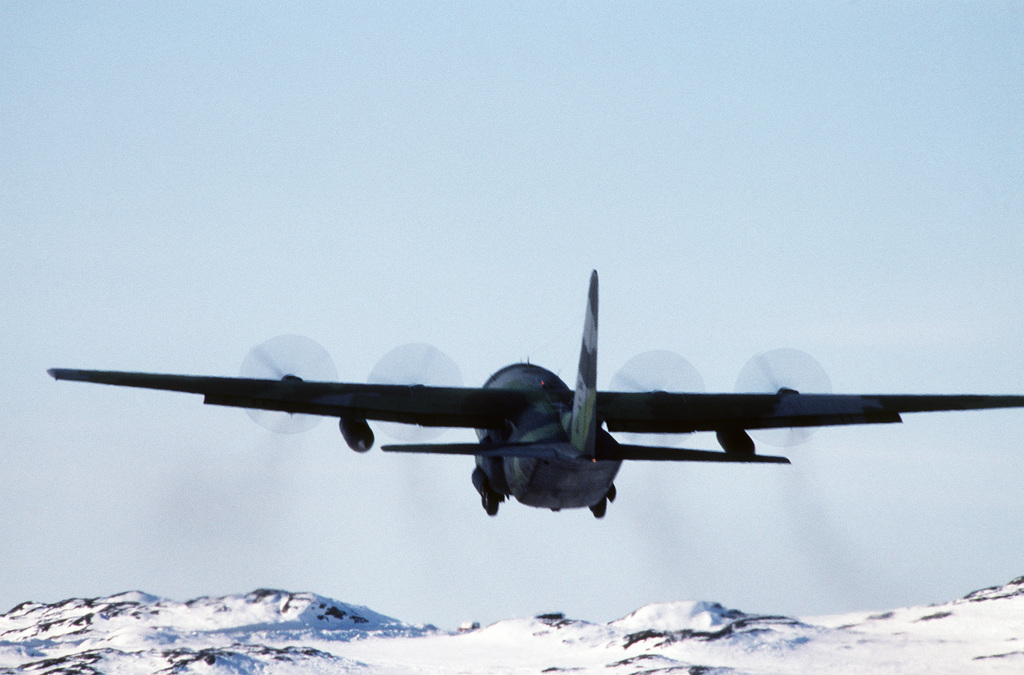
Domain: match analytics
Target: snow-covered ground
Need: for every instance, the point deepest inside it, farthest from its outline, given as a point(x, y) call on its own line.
point(279, 632)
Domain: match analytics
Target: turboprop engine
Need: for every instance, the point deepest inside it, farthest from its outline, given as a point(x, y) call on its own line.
point(357, 433)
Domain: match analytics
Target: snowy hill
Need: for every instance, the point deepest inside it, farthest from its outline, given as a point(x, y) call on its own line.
point(278, 632)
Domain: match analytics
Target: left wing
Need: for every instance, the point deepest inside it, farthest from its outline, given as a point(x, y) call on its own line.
point(410, 404)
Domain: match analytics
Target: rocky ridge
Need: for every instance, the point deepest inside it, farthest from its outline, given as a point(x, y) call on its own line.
point(272, 631)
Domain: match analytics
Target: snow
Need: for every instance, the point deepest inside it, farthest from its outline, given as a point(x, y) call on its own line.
point(271, 631)
point(678, 616)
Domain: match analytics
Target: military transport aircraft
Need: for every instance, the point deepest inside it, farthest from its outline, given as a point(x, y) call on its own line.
point(539, 441)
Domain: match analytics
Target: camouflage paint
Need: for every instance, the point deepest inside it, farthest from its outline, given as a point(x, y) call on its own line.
point(584, 404)
point(567, 481)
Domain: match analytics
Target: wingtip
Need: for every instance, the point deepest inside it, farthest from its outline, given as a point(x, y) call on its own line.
point(62, 373)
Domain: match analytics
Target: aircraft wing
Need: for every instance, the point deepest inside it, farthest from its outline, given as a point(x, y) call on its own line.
point(664, 412)
point(479, 408)
point(410, 404)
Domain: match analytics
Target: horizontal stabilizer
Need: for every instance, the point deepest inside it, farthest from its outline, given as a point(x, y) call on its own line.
point(553, 450)
point(564, 450)
point(644, 452)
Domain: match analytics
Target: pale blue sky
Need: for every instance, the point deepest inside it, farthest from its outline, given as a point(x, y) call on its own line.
point(178, 184)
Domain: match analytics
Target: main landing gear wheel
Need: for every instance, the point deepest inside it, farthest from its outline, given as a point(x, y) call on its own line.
point(601, 507)
point(488, 496)
point(491, 500)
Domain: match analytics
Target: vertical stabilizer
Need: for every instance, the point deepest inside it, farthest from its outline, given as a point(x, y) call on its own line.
point(583, 429)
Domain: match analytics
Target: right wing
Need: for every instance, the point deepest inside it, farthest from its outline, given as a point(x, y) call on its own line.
point(664, 412)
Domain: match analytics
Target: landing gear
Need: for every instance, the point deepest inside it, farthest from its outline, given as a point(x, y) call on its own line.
point(601, 507)
point(488, 497)
point(490, 500)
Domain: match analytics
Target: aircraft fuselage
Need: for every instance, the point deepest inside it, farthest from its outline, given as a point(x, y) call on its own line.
point(565, 482)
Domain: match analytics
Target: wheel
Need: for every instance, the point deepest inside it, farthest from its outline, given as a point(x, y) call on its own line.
point(599, 508)
point(611, 493)
point(490, 501)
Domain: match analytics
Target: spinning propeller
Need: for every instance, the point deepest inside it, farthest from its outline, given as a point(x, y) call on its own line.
point(289, 356)
point(415, 363)
point(769, 372)
point(282, 357)
point(657, 370)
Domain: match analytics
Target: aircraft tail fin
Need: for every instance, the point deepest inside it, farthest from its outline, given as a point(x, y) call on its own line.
point(583, 428)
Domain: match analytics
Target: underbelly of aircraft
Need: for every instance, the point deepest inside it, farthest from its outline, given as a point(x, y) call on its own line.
point(559, 484)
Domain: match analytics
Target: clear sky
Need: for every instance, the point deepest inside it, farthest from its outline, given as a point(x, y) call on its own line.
point(180, 182)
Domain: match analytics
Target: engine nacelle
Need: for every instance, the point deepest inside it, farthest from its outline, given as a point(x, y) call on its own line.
point(735, 441)
point(357, 433)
